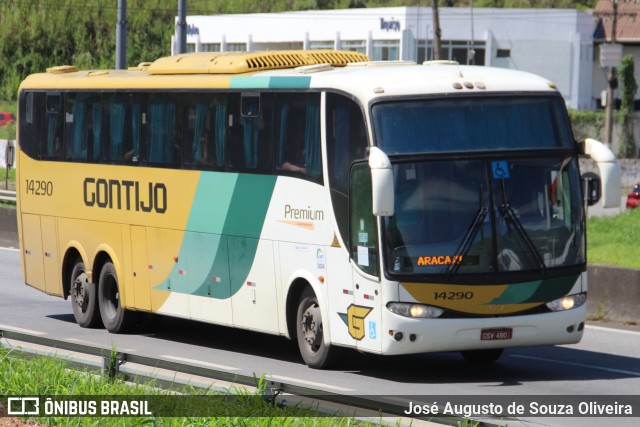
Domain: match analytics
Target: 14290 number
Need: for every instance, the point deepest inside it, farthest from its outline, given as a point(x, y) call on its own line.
point(453, 295)
point(39, 188)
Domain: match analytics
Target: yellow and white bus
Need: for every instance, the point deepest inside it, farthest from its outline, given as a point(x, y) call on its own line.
point(387, 207)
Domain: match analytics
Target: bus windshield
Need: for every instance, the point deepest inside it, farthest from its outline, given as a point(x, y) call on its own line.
point(478, 216)
point(470, 124)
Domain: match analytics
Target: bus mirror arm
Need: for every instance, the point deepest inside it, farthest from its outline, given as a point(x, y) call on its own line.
point(610, 173)
point(381, 182)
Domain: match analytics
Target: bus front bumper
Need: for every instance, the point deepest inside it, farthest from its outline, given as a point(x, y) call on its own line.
point(404, 335)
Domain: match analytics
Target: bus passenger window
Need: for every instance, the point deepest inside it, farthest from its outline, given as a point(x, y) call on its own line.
point(122, 128)
point(82, 127)
point(298, 134)
point(162, 138)
point(250, 148)
point(55, 119)
point(32, 109)
point(205, 132)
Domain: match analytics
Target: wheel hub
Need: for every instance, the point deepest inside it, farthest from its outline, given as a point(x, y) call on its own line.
point(79, 292)
point(312, 327)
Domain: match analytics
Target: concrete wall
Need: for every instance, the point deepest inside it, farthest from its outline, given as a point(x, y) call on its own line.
point(614, 294)
point(8, 227)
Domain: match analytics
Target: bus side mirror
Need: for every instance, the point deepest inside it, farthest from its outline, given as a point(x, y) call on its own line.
point(610, 173)
point(591, 188)
point(381, 182)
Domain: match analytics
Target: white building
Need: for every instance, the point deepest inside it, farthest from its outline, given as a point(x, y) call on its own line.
point(556, 44)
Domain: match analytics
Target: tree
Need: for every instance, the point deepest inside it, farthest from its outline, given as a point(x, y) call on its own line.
point(628, 94)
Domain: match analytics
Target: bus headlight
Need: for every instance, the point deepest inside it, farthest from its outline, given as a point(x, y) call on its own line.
point(415, 310)
point(568, 302)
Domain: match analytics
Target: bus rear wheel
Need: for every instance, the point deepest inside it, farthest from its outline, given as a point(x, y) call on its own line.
point(115, 318)
point(315, 352)
point(482, 356)
point(84, 298)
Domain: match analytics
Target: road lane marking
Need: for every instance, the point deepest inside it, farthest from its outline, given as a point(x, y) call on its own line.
point(315, 384)
point(581, 365)
point(95, 344)
point(10, 249)
point(200, 362)
point(619, 331)
point(21, 330)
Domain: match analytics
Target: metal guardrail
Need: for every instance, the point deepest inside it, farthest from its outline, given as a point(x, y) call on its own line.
point(114, 362)
point(9, 196)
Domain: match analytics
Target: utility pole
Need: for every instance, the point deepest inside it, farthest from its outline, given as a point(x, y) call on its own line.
point(121, 36)
point(181, 28)
point(613, 83)
point(437, 32)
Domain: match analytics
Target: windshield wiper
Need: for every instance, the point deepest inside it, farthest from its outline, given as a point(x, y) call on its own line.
point(511, 219)
point(469, 237)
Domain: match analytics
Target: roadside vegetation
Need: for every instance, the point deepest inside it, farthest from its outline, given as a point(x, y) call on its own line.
point(614, 240)
point(44, 376)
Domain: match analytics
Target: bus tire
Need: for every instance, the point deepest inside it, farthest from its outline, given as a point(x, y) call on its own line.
point(115, 318)
point(482, 356)
point(310, 334)
point(84, 297)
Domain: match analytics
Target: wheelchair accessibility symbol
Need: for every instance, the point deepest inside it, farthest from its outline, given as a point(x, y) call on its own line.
point(500, 169)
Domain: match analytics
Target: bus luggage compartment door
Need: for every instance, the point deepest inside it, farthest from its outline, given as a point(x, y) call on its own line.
point(32, 248)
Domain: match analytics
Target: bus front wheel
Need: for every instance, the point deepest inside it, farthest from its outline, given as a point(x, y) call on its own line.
point(482, 356)
point(84, 298)
point(115, 318)
point(315, 352)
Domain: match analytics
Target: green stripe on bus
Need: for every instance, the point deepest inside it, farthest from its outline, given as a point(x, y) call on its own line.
point(302, 82)
point(516, 293)
point(536, 291)
point(222, 235)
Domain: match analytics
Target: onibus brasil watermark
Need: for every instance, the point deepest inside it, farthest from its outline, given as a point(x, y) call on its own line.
point(71, 407)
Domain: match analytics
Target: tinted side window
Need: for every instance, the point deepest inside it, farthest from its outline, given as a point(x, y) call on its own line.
point(297, 129)
point(122, 128)
point(205, 135)
point(251, 133)
point(163, 139)
point(346, 142)
point(31, 122)
point(82, 127)
point(52, 144)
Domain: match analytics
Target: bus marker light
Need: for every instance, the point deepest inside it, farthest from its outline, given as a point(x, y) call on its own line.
point(216, 279)
point(175, 258)
point(321, 279)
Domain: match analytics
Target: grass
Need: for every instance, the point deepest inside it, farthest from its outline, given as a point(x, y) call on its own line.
point(48, 377)
point(614, 240)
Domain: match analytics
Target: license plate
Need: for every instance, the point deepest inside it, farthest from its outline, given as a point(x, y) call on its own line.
point(496, 334)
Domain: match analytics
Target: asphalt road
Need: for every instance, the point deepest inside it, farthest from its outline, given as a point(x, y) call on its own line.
point(606, 362)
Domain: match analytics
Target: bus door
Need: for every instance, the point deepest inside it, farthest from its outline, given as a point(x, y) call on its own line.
point(365, 319)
